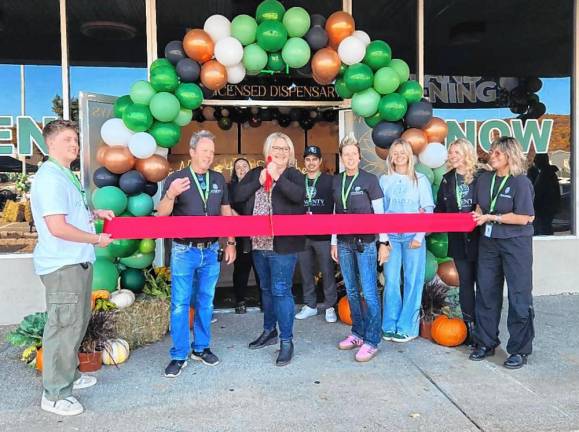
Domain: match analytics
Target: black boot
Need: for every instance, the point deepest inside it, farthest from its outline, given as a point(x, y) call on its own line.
point(481, 352)
point(516, 361)
point(265, 339)
point(286, 352)
point(469, 341)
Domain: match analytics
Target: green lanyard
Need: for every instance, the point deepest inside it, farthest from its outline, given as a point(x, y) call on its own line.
point(494, 198)
point(204, 193)
point(74, 179)
point(346, 192)
point(310, 189)
point(458, 192)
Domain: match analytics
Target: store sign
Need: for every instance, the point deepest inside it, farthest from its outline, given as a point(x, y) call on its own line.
point(28, 134)
point(462, 91)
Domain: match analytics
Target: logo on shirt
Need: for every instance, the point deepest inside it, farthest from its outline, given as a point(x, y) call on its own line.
point(507, 190)
point(312, 191)
point(215, 189)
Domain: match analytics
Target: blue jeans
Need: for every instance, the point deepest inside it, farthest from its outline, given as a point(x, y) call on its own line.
point(194, 274)
point(275, 281)
point(401, 315)
point(359, 268)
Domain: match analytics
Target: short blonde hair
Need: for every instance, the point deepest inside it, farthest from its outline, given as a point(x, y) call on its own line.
point(466, 149)
point(273, 138)
point(349, 140)
point(407, 149)
point(514, 152)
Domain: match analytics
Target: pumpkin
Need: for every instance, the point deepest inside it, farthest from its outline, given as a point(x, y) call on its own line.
point(344, 310)
point(191, 316)
point(39, 359)
point(123, 298)
point(448, 332)
point(116, 352)
point(99, 294)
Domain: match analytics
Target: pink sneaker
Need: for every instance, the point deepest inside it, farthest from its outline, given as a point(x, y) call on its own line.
point(366, 353)
point(350, 342)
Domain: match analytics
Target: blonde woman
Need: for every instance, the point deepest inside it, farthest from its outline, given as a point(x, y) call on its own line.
point(275, 257)
point(504, 199)
point(456, 196)
point(405, 191)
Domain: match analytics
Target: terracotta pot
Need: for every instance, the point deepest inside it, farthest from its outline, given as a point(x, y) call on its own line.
point(39, 360)
point(426, 329)
point(90, 362)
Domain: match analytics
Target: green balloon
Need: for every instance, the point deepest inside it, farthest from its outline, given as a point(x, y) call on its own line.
point(269, 10)
point(126, 213)
point(109, 198)
point(166, 134)
point(431, 267)
point(254, 57)
point(133, 280)
point(275, 62)
point(164, 79)
point(401, 68)
point(443, 260)
point(342, 89)
point(123, 247)
point(358, 77)
point(297, 21)
point(184, 117)
point(138, 260)
point(365, 103)
point(411, 91)
point(190, 95)
point(386, 80)
point(104, 253)
point(373, 120)
point(427, 171)
point(296, 52)
point(104, 275)
point(343, 69)
point(142, 92)
point(147, 246)
point(435, 189)
point(121, 104)
point(98, 225)
point(378, 54)
point(160, 62)
point(140, 205)
point(438, 173)
point(271, 35)
point(137, 117)
point(437, 243)
point(243, 28)
point(392, 107)
point(165, 106)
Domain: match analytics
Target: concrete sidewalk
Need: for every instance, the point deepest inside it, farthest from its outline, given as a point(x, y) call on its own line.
point(417, 386)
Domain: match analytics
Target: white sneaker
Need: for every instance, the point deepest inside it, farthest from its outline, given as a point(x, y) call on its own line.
point(331, 315)
point(306, 312)
point(85, 381)
point(69, 406)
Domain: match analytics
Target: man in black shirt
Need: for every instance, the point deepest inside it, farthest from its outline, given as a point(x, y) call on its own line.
point(318, 201)
point(195, 191)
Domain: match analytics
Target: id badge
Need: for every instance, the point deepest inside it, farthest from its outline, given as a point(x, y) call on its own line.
point(488, 230)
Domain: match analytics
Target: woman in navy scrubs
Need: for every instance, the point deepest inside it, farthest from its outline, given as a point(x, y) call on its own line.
point(504, 199)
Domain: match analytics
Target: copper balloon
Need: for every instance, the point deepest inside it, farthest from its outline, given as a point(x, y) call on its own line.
point(100, 154)
point(118, 159)
point(416, 138)
point(448, 273)
point(436, 130)
point(154, 169)
point(198, 45)
point(339, 26)
point(321, 81)
point(382, 153)
point(213, 75)
point(326, 64)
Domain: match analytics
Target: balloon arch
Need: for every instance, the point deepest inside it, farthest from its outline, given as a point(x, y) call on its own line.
point(149, 119)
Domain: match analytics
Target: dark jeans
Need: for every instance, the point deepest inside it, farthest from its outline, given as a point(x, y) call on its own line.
point(467, 275)
point(317, 250)
point(275, 281)
point(241, 270)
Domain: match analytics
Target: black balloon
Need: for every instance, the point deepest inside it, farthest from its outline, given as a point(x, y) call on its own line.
point(536, 110)
point(318, 20)
point(151, 188)
point(284, 120)
point(103, 177)
point(132, 182)
point(330, 115)
point(533, 84)
point(266, 114)
point(317, 38)
point(306, 123)
point(174, 52)
point(518, 96)
point(225, 123)
point(255, 120)
point(295, 114)
point(305, 71)
point(418, 114)
point(188, 70)
point(519, 108)
point(384, 133)
point(207, 93)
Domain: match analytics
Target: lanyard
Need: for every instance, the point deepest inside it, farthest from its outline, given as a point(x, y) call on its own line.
point(204, 193)
point(458, 192)
point(346, 192)
point(310, 189)
point(494, 198)
point(74, 179)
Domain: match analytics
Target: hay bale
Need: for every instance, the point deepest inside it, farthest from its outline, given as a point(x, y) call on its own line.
point(145, 321)
point(13, 212)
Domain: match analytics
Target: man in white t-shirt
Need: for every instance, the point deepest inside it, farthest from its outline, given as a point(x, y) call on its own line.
point(63, 259)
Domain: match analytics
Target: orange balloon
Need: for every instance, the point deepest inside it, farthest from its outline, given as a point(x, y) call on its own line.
point(448, 273)
point(382, 153)
point(326, 64)
point(154, 169)
point(436, 130)
point(339, 26)
point(198, 45)
point(213, 75)
point(100, 154)
point(321, 81)
point(118, 159)
point(416, 138)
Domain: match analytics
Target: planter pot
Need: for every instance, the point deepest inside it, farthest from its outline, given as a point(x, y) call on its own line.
point(39, 360)
point(90, 362)
point(426, 329)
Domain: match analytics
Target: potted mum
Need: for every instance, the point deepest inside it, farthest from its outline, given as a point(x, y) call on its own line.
point(434, 300)
point(100, 329)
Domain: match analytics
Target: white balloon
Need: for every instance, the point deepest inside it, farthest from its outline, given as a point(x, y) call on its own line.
point(434, 155)
point(363, 36)
point(228, 51)
point(142, 145)
point(351, 50)
point(162, 151)
point(236, 73)
point(115, 133)
point(218, 27)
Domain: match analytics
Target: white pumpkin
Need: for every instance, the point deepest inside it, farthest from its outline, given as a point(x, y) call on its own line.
point(116, 352)
point(123, 298)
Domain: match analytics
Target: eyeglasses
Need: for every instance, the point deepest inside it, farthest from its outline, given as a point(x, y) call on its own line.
point(281, 149)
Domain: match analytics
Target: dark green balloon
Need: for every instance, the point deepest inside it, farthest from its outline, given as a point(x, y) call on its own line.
point(104, 275)
point(160, 62)
point(123, 247)
point(437, 243)
point(137, 117)
point(431, 267)
point(140, 205)
point(166, 134)
point(275, 62)
point(438, 173)
point(269, 10)
point(343, 69)
point(358, 77)
point(378, 54)
point(271, 35)
point(133, 280)
point(342, 89)
point(372, 121)
point(138, 260)
point(98, 225)
point(392, 107)
point(164, 79)
point(435, 189)
point(411, 91)
point(110, 198)
point(190, 95)
point(121, 104)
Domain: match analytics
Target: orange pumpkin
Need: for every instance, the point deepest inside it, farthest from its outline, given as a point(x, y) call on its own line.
point(39, 359)
point(344, 311)
point(448, 332)
point(191, 316)
point(98, 294)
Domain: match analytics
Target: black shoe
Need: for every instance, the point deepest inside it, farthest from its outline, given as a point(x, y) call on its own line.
point(265, 339)
point(515, 361)
point(469, 341)
point(240, 308)
point(207, 357)
point(286, 352)
point(480, 353)
point(174, 368)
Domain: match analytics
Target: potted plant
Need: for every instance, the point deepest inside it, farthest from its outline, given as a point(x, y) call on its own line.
point(29, 335)
point(434, 300)
point(100, 330)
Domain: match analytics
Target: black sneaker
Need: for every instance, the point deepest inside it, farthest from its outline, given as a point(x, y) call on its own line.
point(207, 357)
point(174, 368)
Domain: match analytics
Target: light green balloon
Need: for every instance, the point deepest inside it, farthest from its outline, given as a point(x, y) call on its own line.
point(297, 21)
point(431, 267)
point(296, 52)
point(184, 117)
point(427, 171)
point(401, 68)
point(365, 103)
point(138, 260)
point(438, 173)
point(142, 92)
point(254, 57)
point(141, 204)
point(165, 106)
point(386, 80)
point(243, 28)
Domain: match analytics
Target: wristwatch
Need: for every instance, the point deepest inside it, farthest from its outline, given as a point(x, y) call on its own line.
point(231, 243)
point(385, 243)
